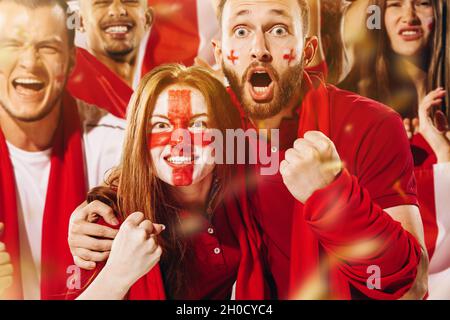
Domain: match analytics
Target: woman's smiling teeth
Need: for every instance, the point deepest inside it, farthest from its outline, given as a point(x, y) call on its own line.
point(179, 160)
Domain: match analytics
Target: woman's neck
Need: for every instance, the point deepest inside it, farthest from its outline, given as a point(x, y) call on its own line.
point(193, 198)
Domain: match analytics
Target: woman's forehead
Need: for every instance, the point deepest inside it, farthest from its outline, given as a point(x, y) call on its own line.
point(180, 99)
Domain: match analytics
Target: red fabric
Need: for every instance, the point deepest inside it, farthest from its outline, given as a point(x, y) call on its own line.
point(93, 82)
point(321, 70)
point(424, 159)
point(232, 217)
point(346, 201)
point(66, 190)
point(175, 39)
point(362, 132)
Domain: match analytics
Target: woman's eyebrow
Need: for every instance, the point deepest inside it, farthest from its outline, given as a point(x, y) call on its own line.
point(199, 115)
point(160, 116)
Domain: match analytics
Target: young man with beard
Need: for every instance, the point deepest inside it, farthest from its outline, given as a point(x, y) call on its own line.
point(343, 210)
point(52, 148)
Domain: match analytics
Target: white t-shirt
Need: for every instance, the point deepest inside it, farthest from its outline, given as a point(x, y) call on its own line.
point(102, 142)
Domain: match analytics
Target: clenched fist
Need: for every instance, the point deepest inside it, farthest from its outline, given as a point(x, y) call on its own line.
point(312, 164)
point(134, 251)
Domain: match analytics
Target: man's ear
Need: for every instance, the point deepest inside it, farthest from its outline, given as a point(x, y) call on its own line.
point(80, 26)
point(217, 44)
point(72, 60)
point(149, 18)
point(311, 45)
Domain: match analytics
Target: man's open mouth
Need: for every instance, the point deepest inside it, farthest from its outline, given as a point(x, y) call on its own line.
point(261, 84)
point(28, 86)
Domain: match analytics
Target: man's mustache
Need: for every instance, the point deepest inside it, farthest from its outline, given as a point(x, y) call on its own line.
point(268, 66)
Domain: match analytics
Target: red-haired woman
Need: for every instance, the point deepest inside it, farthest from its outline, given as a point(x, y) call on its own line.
point(208, 241)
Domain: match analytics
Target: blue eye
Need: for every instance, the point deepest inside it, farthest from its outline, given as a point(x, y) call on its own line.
point(279, 31)
point(241, 32)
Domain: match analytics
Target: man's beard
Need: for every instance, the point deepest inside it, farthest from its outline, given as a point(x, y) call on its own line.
point(34, 118)
point(119, 55)
point(288, 83)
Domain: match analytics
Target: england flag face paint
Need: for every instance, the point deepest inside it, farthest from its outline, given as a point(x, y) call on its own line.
point(233, 57)
point(177, 140)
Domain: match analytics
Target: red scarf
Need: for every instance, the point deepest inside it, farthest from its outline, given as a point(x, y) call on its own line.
point(66, 190)
point(93, 82)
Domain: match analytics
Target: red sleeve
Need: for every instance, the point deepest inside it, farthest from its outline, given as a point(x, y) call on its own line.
point(384, 164)
point(346, 221)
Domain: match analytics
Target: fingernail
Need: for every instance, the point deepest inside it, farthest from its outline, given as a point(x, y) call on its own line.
point(163, 227)
point(115, 222)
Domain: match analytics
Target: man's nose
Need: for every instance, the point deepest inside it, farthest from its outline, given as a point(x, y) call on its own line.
point(29, 58)
point(117, 9)
point(260, 51)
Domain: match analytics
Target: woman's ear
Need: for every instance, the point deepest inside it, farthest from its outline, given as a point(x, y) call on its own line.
point(311, 45)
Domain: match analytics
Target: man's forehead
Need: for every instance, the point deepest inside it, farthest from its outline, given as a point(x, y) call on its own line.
point(235, 9)
point(87, 3)
point(21, 20)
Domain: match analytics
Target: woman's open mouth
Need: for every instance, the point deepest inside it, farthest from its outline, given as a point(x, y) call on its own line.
point(261, 85)
point(180, 161)
point(411, 34)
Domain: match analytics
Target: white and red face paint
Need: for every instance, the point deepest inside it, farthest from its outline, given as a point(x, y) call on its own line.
point(233, 57)
point(289, 55)
point(177, 142)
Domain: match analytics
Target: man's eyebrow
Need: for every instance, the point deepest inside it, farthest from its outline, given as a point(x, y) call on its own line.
point(280, 12)
point(51, 40)
point(242, 13)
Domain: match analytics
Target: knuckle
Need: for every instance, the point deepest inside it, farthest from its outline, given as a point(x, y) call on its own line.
point(74, 227)
point(98, 245)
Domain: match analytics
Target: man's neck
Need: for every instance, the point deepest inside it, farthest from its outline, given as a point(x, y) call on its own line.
point(30, 136)
point(123, 69)
point(288, 112)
